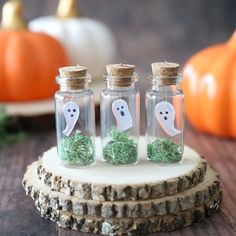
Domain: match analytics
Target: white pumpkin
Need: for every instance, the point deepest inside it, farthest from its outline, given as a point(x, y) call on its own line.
point(88, 42)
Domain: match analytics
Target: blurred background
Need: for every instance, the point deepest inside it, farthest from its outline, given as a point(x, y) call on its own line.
point(154, 30)
point(151, 30)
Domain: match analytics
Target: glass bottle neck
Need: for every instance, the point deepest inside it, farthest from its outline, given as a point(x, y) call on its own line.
point(73, 84)
point(120, 82)
point(165, 83)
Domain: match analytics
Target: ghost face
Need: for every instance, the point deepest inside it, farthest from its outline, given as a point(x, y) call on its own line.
point(165, 115)
point(121, 112)
point(71, 113)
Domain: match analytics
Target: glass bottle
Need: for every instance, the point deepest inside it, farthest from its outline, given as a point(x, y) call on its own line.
point(165, 114)
point(75, 119)
point(120, 114)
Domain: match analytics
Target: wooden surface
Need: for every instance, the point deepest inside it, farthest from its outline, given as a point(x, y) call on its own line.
point(18, 215)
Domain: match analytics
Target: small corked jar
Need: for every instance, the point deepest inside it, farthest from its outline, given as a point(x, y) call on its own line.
point(75, 118)
point(120, 75)
point(120, 115)
point(73, 78)
point(165, 114)
point(165, 73)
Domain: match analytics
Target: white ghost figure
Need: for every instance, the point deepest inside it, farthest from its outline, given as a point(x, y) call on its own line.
point(121, 112)
point(165, 115)
point(71, 113)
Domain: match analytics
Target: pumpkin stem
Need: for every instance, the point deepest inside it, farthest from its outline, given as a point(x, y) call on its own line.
point(12, 15)
point(232, 40)
point(67, 9)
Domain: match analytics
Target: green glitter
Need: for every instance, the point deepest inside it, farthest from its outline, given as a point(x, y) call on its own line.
point(77, 150)
point(120, 149)
point(164, 150)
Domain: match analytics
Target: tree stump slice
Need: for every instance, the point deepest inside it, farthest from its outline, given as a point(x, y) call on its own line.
point(102, 182)
point(68, 219)
point(130, 226)
point(189, 199)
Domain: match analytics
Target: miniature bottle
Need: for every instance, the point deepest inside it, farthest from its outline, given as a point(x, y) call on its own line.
point(120, 114)
point(165, 114)
point(75, 119)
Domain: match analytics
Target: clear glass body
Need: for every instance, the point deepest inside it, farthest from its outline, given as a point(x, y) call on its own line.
point(77, 146)
point(165, 124)
point(120, 121)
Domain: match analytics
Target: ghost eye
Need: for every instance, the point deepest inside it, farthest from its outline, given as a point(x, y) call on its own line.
point(166, 112)
point(160, 113)
point(117, 108)
point(74, 110)
point(122, 107)
point(68, 110)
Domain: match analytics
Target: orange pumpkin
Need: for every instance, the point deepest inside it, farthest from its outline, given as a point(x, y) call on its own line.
point(210, 89)
point(28, 61)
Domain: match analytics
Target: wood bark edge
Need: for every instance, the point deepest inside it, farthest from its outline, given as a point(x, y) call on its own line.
point(189, 199)
point(101, 192)
point(130, 226)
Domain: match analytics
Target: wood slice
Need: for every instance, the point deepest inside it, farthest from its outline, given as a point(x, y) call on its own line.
point(103, 182)
point(186, 200)
point(130, 226)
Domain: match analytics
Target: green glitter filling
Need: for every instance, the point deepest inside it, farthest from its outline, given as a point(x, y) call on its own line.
point(164, 150)
point(77, 150)
point(120, 149)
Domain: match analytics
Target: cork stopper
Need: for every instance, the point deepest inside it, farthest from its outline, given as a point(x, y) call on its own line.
point(72, 72)
point(120, 75)
point(165, 72)
point(73, 78)
point(120, 69)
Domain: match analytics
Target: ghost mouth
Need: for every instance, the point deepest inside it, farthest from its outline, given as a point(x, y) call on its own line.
point(165, 118)
point(122, 113)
